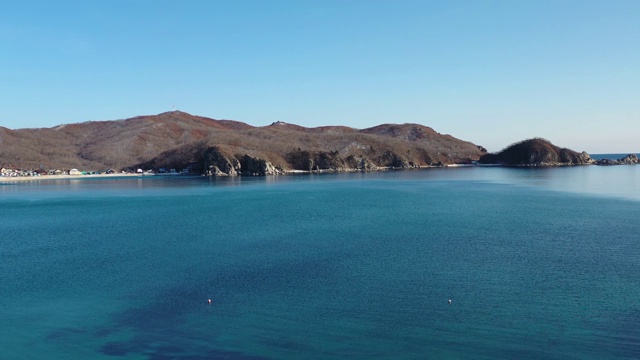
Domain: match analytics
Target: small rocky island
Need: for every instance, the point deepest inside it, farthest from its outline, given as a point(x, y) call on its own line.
point(541, 152)
point(536, 152)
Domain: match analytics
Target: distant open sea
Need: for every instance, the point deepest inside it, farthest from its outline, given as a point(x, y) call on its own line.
point(609, 156)
point(538, 264)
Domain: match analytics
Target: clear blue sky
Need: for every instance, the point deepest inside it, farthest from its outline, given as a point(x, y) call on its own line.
point(491, 72)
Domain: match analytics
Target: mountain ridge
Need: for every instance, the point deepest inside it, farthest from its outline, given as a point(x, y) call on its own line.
point(177, 139)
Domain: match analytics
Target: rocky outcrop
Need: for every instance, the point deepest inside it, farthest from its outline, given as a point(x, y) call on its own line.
point(607, 162)
point(361, 164)
point(316, 160)
point(258, 167)
point(216, 163)
point(585, 158)
point(322, 161)
point(391, 159)
point(630, 159)
point(536, 152)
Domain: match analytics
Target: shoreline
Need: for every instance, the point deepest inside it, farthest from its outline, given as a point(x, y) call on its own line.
point(8, 179)
point(15, 179)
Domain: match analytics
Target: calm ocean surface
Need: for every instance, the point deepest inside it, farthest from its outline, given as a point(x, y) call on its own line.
point(538, 263)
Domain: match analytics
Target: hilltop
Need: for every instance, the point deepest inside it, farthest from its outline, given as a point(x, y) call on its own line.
point(178, 140)
point(536, 152)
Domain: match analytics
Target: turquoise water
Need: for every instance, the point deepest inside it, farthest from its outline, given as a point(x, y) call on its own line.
point(538, 263)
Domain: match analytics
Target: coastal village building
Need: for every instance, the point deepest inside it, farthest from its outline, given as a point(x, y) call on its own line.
point(8, 172)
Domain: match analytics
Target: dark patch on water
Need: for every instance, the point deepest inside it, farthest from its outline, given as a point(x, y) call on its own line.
point(171, 305)
point(160, 320)
point(209, 354)
point(289, 345)
point(169, 349)
point(167, 352)
point(115, 349)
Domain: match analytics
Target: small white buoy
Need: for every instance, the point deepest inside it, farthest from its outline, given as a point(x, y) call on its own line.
point(449, 301)
point(209, 301)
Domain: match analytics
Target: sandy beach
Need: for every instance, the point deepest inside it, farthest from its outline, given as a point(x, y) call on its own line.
point(8, 179)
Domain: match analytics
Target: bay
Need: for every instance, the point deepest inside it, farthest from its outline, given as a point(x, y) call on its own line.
point(537, 263)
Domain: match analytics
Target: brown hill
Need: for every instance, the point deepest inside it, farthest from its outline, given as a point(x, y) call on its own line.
point(176, 139)
point(536, 152)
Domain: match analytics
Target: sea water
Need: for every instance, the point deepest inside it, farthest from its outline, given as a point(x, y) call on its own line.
point(610, 156)
point(537, 263)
